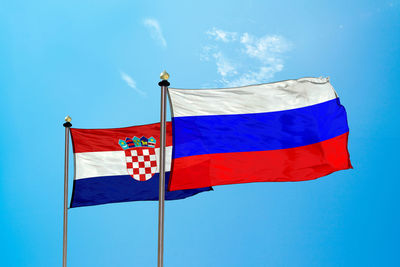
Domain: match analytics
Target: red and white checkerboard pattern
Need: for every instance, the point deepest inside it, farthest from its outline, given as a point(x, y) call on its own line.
point(141, 162)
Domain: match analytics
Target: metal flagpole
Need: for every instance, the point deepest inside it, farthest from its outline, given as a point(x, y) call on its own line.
point(67, 125)
point(161, 195)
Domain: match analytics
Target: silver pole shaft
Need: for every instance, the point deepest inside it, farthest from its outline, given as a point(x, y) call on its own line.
point(66, 125)
point(162, 177)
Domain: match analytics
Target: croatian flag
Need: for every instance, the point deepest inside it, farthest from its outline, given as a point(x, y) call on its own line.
point(121, 164)
point(292, 130)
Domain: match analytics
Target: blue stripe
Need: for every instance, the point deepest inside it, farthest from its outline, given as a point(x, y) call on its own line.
point(198, 135)
point(122, 188)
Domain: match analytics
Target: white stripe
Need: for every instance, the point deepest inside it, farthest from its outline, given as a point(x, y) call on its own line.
point(109, 163)
point(261, 98)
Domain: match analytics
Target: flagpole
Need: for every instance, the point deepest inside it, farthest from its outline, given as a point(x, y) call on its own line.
point(164, 86)
point(67, 125)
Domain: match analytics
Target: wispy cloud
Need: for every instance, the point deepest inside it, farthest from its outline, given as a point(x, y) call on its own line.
point(221, 35)
point(131, 83)
point(254, 77)
point(224, 66)
point(155, 31)
point(242, 58)
point(264, 48)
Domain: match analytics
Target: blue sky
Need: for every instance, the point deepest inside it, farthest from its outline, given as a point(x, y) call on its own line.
point(99, 62)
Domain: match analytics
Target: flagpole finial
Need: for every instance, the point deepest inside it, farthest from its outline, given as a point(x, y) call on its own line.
point(67, 123)
point(164, 75)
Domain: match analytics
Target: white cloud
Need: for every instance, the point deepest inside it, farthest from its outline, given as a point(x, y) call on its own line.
point(205, 53)
point(131, 83)
point(221, 35)
point(264, 48)
point(155, 31)
point(245, 60)
point(224, 66)
point(254, 77)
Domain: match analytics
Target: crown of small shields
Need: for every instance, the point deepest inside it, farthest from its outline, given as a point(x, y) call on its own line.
point(137, 142)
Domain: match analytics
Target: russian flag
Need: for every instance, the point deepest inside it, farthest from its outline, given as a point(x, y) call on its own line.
point(108, 170)
point(292, 130)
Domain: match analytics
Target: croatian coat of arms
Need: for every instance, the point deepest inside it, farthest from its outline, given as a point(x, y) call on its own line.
point(140, 157)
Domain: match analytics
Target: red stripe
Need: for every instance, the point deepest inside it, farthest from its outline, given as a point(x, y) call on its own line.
point(284, 165)
point(94, 140)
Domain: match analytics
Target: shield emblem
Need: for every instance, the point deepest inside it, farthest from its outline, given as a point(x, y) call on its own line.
point(141, 162)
